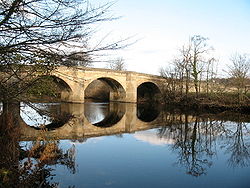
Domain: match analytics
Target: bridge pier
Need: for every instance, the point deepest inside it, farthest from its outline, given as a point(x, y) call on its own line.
point(74, 96)
point(131, 90)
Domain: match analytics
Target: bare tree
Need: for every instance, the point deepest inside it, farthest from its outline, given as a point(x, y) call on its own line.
point(209, 72)
point(117, 64)
point(36, 36)
point(239, 70)
point(197, 49)
point(78, 59)
point(49, 26)
point(45, 34)
point(184, 63)
point(189, 64)
point(174, 75)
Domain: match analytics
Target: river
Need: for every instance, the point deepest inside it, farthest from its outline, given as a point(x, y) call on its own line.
point(129, 145)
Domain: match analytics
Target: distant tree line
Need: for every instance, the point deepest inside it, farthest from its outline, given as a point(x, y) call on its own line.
point(117, 64)
point(194, 72)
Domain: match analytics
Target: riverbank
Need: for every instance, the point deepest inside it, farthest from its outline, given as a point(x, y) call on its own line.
point(211, 103)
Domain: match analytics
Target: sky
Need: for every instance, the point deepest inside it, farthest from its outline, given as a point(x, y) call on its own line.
point(163, 26)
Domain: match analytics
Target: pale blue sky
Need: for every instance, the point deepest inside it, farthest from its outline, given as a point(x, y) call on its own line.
point(165, 25)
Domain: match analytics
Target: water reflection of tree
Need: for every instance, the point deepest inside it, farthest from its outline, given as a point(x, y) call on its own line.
point(239, 146)
point(194, 151)
point(28, 166)
point(195, 143)
point(33, 167)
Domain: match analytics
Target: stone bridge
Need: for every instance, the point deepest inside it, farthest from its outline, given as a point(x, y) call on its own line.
point(125, 86)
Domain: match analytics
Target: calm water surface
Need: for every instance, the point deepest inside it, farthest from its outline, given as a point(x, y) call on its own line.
point(123, 145)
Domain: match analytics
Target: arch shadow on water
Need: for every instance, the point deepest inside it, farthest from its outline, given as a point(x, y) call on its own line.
point(46, 115)
point(104, 114)
point(49, 116)
point(147, 112)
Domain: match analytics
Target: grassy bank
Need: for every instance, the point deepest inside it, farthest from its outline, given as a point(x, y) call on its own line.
point(211, 103)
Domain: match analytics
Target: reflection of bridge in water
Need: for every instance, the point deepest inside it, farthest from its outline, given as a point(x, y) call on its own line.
point(122, 118)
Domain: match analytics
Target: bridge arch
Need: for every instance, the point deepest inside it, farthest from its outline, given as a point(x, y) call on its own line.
point(65, 89)
point(61, 88)
point(148, 92)
point(61, 83)
point(113, 90)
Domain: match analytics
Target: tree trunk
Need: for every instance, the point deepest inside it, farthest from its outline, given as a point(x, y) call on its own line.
point(9, 143)
point(187, 82)
point(10, 116)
